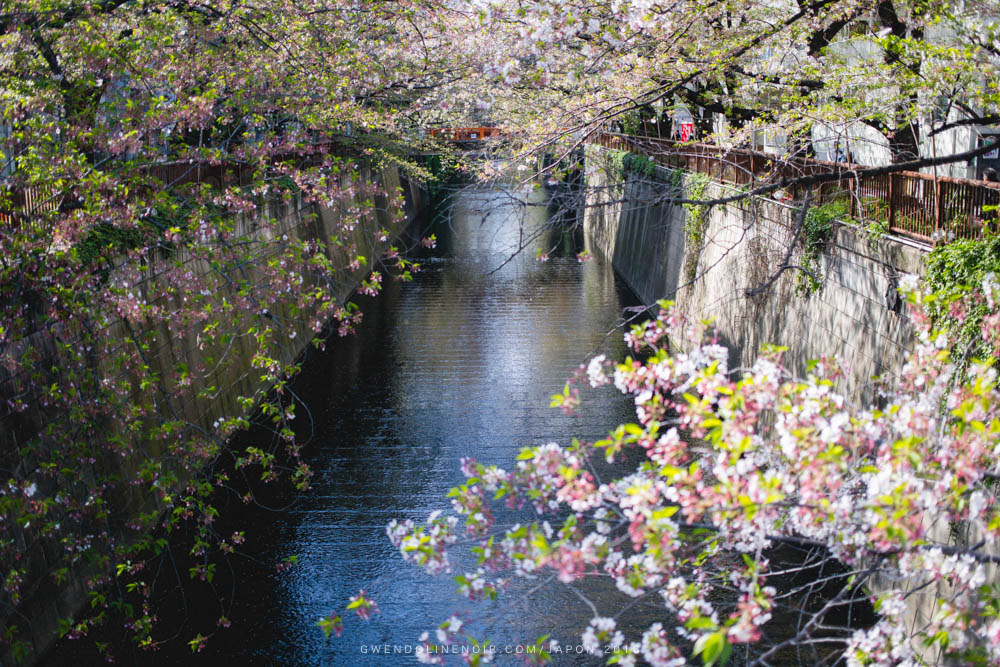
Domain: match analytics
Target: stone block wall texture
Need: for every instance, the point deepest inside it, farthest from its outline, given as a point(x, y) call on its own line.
point(855, 315)
point(44, 602)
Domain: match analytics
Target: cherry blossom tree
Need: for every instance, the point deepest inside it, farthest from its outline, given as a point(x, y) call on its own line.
point(152, 152)
point(736, 463)
point(891, 503)
point(877, 70)
point(165, 166)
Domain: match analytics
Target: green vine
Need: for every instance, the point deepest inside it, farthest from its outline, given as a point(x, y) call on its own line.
point(954, 271)
point(874, 231)
point(639, 164)
point(614, 165)
point(696, 220)
point(816, 232)
point(619, 163)
point(874, 219)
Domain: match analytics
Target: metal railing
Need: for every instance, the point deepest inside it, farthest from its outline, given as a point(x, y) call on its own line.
point(18, 204)
point(915, 205)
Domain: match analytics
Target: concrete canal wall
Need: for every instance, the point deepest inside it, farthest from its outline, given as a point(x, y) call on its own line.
point(854, 314)
point(44, 602)
point(655, 247)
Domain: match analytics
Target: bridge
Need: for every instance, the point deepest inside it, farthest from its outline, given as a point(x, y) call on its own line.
point(465, 133)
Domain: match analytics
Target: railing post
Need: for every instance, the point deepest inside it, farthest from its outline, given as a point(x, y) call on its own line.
point(852, 197)
point(937, 205)
point(892, 201)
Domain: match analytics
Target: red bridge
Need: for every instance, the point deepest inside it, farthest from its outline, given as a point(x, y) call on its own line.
point(465, 133)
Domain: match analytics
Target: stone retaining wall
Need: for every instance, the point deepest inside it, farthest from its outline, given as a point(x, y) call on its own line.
point(855, 315)
point(44, 602)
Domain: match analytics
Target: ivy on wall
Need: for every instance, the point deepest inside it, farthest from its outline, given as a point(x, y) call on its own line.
point(614, 170)
point(639, 164)
point(817, 230)
point(696, 220)
point(955, 275)
point(619, 163)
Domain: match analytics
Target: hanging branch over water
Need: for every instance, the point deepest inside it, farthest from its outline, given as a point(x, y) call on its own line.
point(140, 139)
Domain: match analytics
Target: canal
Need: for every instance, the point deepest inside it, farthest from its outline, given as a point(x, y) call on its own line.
point(460, 362)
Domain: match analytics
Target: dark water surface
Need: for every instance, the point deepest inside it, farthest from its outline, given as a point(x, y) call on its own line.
point(461, 362)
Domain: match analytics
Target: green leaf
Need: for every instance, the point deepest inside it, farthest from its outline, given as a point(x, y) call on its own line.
point(700, 623)
point(633, 429)
point(713, 648)
point(665, 513)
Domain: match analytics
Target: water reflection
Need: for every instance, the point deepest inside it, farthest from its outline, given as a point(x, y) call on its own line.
point(474, 349)
point(459, 363)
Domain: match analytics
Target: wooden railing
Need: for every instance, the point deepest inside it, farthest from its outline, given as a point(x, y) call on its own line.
point(915, 205)
point(29, 201)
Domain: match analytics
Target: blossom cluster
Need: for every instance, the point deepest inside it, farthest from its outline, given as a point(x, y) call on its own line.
point(738, 462)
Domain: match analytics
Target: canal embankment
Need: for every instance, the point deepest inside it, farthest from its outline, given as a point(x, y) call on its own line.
point(460, 362)
point(50, 593)
point(725, 262)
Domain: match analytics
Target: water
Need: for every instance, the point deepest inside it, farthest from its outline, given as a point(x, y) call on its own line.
point(461, 362)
